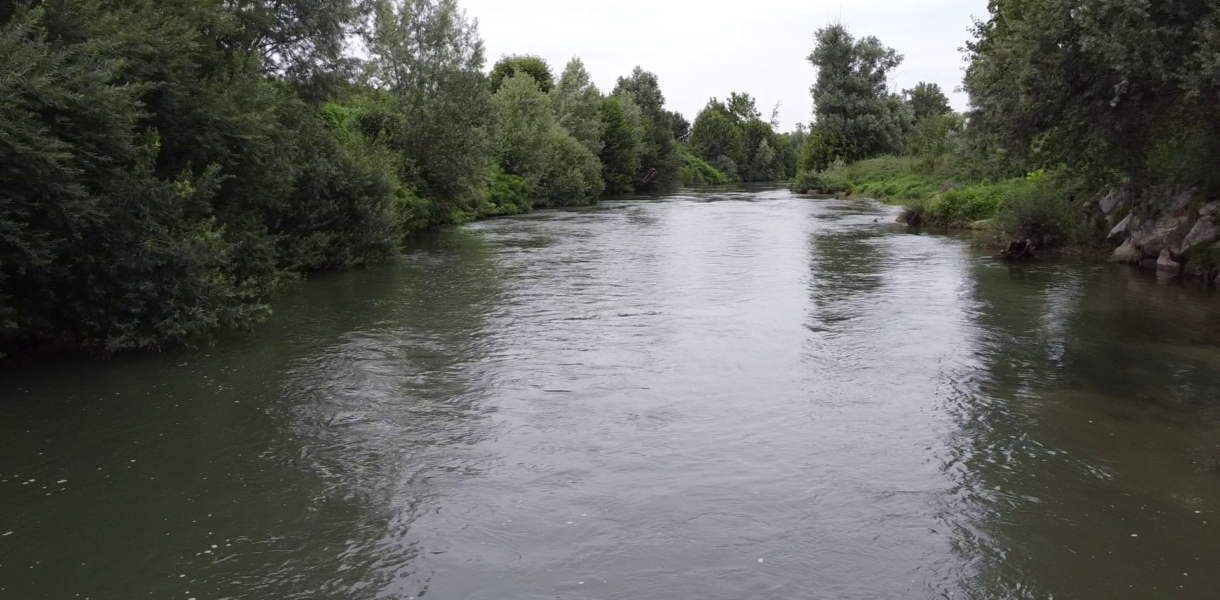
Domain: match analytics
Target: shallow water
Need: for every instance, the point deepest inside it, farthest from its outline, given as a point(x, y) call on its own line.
point(717, 395)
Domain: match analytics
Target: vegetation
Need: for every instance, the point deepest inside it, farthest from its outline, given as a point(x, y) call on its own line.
point(1070, 100)
point(733, 139)
point(170, 166)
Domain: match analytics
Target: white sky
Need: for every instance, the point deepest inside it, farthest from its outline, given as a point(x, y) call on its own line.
point(705, 48)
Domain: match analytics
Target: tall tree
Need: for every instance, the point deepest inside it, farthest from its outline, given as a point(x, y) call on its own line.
point(529, 64)
point(577, 101)
point(431, 58)
point(851, 97)
point(926, 100)
point(644, 89)
point(742, 107)
point(620, 147)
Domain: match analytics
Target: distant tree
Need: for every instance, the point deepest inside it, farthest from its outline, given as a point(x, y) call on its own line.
point(620, 148)
point(717, 134)
point(577, 102)
point(678, 125)
point(851, 98)
point(742, 107)
point(644, 89)
point(524, 122)
point(926, 100)
point(529, 64)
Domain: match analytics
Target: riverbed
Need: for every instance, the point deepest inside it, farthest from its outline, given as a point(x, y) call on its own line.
point(728, 394)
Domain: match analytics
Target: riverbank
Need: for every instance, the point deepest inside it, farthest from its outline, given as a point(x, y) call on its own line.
point(1164, 228)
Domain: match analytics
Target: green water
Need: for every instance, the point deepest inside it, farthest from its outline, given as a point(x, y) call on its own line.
point(707, 396)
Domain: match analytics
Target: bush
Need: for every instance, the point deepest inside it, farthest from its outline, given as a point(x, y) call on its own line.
point(342, 211)
point(573, 174)
point(697, 172)
point(824, 183)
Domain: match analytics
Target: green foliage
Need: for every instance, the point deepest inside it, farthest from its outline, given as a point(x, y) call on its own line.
point(576, 102)
point(1115, 90)
point(506, 195)
point(531, 65)
point(696, 172)
point(573, 175)
point(341, 213)
point(821, 148)
point(438, 112)
point(525, 121)
point(644, 90)
point(717, 134)
point(851, 98)
point(829, 182)
point(620, 155)
point(926, 100)
point(935, 135)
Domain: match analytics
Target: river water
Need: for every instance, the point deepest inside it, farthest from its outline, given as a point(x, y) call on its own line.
point(720, 395)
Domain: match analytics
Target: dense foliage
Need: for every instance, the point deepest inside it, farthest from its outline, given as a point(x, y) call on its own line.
point(732, 138)
point(167, 167)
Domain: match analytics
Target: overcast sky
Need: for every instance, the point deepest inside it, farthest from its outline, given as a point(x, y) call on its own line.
point(705, 48)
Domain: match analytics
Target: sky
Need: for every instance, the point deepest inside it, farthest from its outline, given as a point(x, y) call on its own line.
point(705, 48)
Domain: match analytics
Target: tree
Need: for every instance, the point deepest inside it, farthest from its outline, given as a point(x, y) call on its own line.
point(620, 153)
point(926, 100)
point(716, 136)
point(430, 57)
point(644, 89)
point(576, 102)
point(850, 96)
point(524, 123)
point(678, 125)
point(529, 64)
point(1111, 89)
point(742, 107)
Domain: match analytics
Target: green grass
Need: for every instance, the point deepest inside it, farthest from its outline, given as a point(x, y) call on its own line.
point(939, 193)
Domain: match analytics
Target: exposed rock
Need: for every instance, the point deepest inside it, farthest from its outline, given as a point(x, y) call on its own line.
point(1205, 231)
point(979, 225)
point(1127, 253)
point(1111, 201)
point(1166, 232)
point(1209, 209)
point(1123, 228)
point(1166, 262)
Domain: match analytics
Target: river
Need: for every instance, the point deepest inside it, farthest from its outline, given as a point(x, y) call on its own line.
point(714, 395)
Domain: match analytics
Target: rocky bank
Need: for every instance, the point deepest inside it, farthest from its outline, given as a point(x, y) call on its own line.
point(1165, 229)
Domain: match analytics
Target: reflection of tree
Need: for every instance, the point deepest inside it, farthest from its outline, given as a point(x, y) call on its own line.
point(1078, 432)
point(381, 409)
point(847, 266)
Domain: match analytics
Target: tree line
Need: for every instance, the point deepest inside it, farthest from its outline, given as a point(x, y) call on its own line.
point(1070, 101)
point(167, 166)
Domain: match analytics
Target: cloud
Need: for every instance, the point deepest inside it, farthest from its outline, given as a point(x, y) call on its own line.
point(705, 48)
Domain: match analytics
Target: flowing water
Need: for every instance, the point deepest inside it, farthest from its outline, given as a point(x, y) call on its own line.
point(705, 396)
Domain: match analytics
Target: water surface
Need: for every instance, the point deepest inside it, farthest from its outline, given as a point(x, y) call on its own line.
point(718, 395)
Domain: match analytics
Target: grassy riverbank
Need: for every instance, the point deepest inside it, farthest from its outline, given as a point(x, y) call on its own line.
point(1045, 206)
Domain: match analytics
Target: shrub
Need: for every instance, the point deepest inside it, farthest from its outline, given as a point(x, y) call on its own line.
point(824, 183)
point(697, 172)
